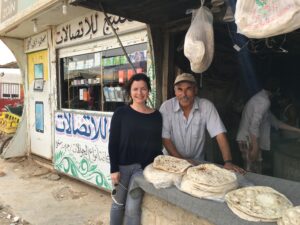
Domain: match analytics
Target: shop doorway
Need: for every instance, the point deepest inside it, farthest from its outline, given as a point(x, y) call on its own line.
point(39, 104)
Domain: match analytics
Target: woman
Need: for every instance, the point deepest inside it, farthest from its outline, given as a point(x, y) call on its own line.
point(135, 140)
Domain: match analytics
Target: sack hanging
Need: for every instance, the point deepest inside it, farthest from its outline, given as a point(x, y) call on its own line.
point(199, 40)
point(266, 18)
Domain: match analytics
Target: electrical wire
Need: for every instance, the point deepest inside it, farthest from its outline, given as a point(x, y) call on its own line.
point(117, 36)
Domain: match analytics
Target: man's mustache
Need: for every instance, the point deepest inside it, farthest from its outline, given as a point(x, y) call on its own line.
point(185, 98)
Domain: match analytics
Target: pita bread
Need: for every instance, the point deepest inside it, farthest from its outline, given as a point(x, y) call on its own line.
point(171, 164)
point(244, 216)
point(258, 201)
point(188, 187)
point(290, 217)
point(218, 189)
point(211, 175)
point(160, 178)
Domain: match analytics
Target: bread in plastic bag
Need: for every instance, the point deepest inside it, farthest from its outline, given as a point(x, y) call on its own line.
point(199, 40)
point(262, 19)
point(160, 178)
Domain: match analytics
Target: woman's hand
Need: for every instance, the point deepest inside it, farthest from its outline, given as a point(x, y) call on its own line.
point(115, 178)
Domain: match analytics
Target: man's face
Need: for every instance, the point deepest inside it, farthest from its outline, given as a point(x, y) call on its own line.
point(185, 93)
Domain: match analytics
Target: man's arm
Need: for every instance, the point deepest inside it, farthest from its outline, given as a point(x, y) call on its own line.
point(170, 147)
point(254, 149)
point(285, 126)
point(225, 150)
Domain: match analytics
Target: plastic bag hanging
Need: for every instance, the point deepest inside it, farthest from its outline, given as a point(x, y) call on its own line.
point(262, 19)
point(199, 40)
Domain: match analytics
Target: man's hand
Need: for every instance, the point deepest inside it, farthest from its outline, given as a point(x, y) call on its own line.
point(234, 168)
point(115, 178)
point(193, 162)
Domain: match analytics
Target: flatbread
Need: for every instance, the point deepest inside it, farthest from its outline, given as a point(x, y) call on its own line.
point(290, 217)
point(171, 164)
point(188, 187)
point(258, 201)
point(211, 175)
point(244, 216)
point(218, 189)
point(160, 178)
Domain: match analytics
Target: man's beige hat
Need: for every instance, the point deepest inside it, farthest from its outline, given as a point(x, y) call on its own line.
point(185, 77)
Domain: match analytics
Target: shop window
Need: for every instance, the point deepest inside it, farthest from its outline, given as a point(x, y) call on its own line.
point(96, 81)
point(10, 91)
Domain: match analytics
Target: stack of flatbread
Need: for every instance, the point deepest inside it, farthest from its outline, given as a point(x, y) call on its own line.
point(208, 181)
point(257, 203)
point(166, 171)
point(290, 217)
point(171, 164)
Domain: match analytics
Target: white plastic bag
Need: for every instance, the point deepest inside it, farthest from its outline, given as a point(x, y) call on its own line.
point(266, 18)
point(199, 40)
point(160, 178)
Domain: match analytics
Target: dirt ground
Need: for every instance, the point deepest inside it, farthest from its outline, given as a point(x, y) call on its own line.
point(31, 194)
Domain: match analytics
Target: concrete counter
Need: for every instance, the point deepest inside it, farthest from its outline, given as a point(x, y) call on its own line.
point(287, 159)
point(217, 212)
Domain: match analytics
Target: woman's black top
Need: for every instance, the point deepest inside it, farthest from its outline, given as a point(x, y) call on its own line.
point(134, 137)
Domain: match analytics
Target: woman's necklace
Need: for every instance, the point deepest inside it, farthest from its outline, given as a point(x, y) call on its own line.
point(142, 108)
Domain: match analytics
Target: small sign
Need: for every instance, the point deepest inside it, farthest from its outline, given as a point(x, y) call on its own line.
point(38, 85)
point(9, 8)
point(39, 117)
point(80, 65)
point(72, 66)
point(38, 71)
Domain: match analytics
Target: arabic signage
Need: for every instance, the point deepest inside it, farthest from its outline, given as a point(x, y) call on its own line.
point(9, 8)
point(36, 42)
point(81, 147)
point(91, 26)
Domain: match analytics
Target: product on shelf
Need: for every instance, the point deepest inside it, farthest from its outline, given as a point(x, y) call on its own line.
point(106, 94)
point(119, 94)
point(130, 73)
point(122, 76)
point(111, 93)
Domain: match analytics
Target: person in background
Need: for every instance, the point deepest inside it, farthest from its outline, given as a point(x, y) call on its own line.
point(288, 110)
point(185, 118)
point(254, 130)
point(134, 142)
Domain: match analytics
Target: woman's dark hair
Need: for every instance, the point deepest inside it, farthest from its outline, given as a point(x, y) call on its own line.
point(137, 77)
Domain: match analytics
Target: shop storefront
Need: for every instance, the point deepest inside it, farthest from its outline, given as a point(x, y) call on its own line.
point(93, 71)
point(75, 72)
point(238, 66)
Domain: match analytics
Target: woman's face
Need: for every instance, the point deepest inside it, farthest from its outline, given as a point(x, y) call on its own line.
point(139, 91)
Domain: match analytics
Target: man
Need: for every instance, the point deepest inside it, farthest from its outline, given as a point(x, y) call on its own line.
point(185, 118)
point(254, 131)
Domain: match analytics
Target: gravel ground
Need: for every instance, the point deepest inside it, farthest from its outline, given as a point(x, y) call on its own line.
point(31, 194)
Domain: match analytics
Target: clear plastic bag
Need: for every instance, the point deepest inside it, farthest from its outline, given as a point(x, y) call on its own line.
point(262, 19)
point(160, 178)
point(199, 40)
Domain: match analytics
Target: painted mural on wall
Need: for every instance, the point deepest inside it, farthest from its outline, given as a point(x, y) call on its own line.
point(81, 147)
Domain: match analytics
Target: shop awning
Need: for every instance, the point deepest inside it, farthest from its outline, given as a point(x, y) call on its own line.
point(156, 12)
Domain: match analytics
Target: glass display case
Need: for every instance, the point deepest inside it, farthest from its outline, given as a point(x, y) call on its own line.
point(96, 81)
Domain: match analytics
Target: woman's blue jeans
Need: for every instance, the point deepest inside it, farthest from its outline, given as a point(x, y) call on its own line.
point(125, 203)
